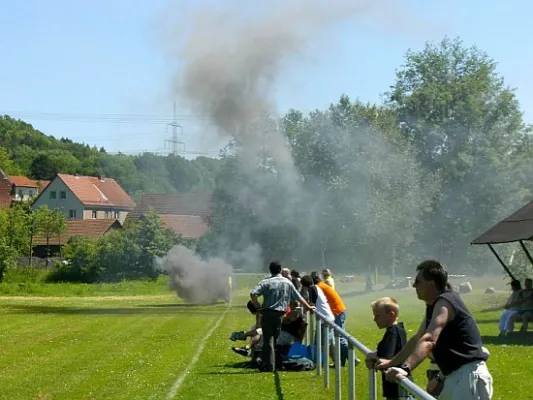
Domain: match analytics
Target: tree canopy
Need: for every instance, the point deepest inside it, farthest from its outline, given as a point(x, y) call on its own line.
point(386, 184)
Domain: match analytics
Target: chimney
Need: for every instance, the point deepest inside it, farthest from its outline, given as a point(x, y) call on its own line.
point(101, 177)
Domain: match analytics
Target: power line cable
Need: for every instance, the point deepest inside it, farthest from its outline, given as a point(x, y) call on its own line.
point(160, 119)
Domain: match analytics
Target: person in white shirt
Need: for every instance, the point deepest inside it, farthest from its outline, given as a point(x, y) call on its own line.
point(319, 300)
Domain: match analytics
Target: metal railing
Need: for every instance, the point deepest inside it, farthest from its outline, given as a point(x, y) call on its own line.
point(320, 325)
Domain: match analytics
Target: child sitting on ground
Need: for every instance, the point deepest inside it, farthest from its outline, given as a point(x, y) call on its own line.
point(386, 311)
point(255, 333)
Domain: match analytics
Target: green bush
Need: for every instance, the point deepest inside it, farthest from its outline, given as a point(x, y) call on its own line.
point(25, 274)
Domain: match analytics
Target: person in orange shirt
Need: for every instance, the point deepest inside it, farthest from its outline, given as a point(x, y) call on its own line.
point(339, 311)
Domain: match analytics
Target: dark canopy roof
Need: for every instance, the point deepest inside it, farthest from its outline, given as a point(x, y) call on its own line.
point(518, 226)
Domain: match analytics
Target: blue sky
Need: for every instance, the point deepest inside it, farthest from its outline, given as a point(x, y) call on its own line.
point(76, 69)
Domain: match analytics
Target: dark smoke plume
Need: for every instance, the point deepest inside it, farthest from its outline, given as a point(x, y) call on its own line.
point(195, 280)
point(229, 62)
point(232, 60)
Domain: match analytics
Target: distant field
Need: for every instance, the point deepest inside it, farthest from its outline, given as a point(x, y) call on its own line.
point(119, 345)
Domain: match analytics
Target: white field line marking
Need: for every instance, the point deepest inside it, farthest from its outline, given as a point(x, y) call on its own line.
point(175, 387)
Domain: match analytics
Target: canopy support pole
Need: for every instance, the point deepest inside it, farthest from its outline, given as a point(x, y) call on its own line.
point(526, 251)
point(501, 261)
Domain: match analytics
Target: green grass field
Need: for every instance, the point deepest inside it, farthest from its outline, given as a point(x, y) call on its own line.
point(104, 342)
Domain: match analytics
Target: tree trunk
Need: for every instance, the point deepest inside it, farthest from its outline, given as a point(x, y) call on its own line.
point(47, 250)
point(32, 232)
point(31, 249)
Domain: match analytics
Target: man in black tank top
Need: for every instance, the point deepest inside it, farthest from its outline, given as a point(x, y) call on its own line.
point(449, 332)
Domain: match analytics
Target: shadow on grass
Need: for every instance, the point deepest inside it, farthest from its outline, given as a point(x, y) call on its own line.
point(488, 321)
point(180, 305)
point(244, 366)
point(277, 382)
point(178, 310)
point(512, 339)
point(491, 309)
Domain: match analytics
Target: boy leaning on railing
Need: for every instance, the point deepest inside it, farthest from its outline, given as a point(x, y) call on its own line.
point(386, 311)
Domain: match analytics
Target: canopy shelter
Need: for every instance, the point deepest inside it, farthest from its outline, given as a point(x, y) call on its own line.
point(515, 228)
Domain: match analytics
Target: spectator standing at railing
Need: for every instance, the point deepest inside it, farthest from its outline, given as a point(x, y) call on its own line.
point(449, 332)
point(278, 292)
point(339, 311)
point(386, 311)
point(328, 278)
point(318, 299)
point(286, 273)
point(295, 279)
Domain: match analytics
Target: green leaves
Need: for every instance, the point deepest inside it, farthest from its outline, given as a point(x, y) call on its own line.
point(14, 235)
point(441, 160)
point(125, 253)
point(464, 124)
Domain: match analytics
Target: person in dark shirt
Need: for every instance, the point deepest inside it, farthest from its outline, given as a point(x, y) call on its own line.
point(295, 278)
point(450, 334)
point(386, 312)
point(277, 293)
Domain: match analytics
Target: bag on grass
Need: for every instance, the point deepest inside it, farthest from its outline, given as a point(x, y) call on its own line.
point(298, 350)
point(298, 364)
point(312, 354)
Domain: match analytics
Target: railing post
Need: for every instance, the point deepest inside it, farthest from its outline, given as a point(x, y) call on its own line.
point(312, 327)
point(351, 372)
point(338, 390)
point(312, 337)
point(308, 330)
point(326, 363)
point(318, 342)
point(372, 385)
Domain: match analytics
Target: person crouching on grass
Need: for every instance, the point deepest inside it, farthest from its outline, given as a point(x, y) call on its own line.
point(386, 312)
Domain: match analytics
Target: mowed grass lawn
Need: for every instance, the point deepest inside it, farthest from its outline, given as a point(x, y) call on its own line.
point(143, 347)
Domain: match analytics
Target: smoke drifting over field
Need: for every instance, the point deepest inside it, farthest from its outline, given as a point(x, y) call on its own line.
point(232, 60)
point(229, 63)
point(195, 280)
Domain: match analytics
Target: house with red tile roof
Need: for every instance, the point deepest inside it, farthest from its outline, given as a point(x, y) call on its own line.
point(87, 228)
point(24, 188)
point(86, 197)
point(184, 213)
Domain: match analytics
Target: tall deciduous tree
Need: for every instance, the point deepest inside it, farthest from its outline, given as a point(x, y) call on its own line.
point(154, 240)
point(368, 186)
point(13, 236)
point(49, 223)
point(465, 124)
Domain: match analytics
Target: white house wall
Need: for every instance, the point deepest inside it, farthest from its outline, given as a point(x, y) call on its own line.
point(23, 193)
point(70, 203)
point(107, 213)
